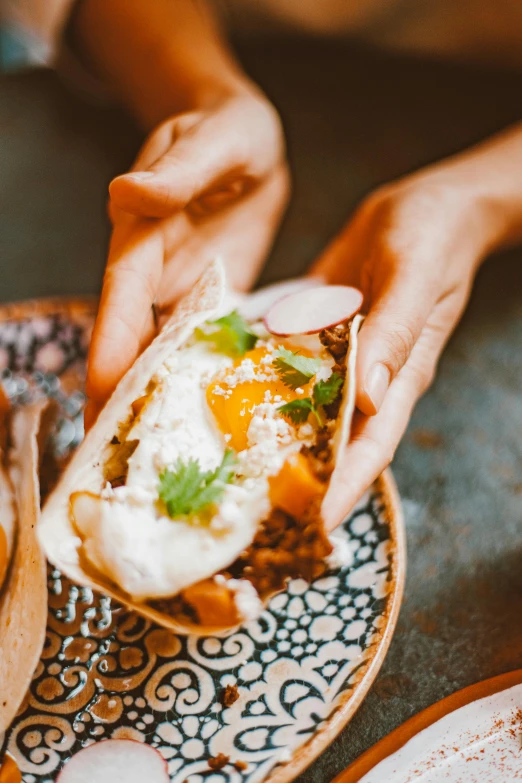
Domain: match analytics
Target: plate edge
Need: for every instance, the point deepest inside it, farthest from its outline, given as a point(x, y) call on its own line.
point(319, 742)
point(397, 738)
point(87, 305)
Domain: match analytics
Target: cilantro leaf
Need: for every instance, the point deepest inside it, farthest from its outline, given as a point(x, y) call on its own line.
point(326, 392)
point(187, 489)
point(230, 334)
point(293, 369)
point(298, 410)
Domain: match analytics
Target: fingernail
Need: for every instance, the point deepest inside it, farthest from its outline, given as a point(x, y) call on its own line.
point(377, 383)
point(140, 175)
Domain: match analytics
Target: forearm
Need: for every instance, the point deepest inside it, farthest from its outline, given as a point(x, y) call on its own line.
point(160, 57)
point(487, 179)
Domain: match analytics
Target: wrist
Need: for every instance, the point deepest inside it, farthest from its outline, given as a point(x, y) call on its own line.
point(476, 217)
point(486, 179)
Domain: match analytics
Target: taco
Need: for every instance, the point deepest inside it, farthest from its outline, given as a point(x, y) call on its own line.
point(198, 491)
point(7, 502)
point(23, 600)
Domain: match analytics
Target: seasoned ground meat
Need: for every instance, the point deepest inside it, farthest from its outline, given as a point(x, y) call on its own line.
point(335, 339)
point(320, 453)
point(229, 696)
point(218, 762)
point(283, 548)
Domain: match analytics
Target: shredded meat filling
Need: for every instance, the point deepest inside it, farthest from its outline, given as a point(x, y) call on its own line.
point(284, 548)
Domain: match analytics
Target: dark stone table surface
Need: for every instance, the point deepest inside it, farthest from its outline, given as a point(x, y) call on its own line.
point(354, 119)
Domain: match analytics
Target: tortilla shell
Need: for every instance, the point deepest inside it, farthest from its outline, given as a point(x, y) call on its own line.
point(56, 531)
point(23, 603)
point(7, 521)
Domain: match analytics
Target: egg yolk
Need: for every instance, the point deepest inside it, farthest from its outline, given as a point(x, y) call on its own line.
point(233, 406)
point(9, 772)
point(295, 487)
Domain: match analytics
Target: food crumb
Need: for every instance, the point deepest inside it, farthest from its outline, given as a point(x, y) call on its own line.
point(229, 695)
point(218, 762)
point(240, 765)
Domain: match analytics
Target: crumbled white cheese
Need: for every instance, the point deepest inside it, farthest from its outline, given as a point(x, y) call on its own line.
point(325, 370)
point(305, 431)
point(219, 391)
point(268, 424)
point(246, 598)
point(247, 371)
point(342, 555)
point(107, 492)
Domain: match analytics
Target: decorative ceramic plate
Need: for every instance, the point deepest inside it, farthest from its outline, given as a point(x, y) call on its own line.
point(473, 736)
point(301, 670)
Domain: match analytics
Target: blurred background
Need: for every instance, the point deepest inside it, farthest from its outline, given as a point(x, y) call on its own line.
point(356, 115)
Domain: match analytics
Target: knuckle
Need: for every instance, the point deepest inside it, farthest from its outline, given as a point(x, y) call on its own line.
point(399, 340)
point(378, 453)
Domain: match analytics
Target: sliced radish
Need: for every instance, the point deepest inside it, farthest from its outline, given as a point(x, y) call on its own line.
point(256, 305)
point(116, 761)
point(310, 311)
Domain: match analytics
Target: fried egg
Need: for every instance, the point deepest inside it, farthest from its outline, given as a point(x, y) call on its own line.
point(200, 404)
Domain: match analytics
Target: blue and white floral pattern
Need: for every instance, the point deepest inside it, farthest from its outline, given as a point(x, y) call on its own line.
point(105, 672)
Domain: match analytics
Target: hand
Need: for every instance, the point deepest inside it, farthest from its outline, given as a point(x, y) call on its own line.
point(206, 184)
point(413, 248)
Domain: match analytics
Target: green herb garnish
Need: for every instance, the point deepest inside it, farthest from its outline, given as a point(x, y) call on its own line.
point(187, 489)
point(230, 334)
point(298, 410)
point(324, 393)
point(293, 369)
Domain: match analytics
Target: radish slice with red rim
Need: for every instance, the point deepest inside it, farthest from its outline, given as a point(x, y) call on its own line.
point(257, 304)
point(312, 310)
point(116, 761)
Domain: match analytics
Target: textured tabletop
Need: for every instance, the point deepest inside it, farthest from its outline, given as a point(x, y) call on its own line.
point(353, 120)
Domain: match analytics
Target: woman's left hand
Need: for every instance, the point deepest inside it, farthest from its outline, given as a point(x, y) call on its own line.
point(413, 248)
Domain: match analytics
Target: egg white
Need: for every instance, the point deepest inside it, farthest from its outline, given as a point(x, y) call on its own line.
point(126, 534)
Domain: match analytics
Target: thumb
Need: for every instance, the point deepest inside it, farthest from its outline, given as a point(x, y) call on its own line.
point(397, 315)
point(124, 321)
point(205, 157)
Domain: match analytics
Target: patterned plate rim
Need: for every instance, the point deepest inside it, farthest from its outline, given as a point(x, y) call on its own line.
point(85, 306)
point(353, 699)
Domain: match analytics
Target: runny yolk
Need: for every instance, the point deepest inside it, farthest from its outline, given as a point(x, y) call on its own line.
point(234, 409)
point(9, 771)
point(295, 487)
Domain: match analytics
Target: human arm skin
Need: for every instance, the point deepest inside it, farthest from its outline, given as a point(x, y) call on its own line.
point(414, 247)
point(211, 179)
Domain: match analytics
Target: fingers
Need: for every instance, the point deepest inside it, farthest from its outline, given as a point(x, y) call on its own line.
point(90, 414)
point(370, 451)
point(374, 439)
point(124, 321)
point(398, 311)
point(206, 158)
point(240, 236)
